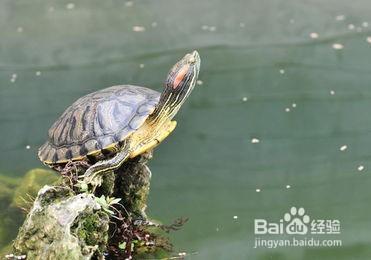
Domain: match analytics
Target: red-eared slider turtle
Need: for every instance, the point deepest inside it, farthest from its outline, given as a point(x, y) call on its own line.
point(124, 121)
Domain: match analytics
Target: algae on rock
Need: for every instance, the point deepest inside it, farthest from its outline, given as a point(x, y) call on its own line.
point(54, 226)
point(73, 220)
point(10, 217)
point(30, 184)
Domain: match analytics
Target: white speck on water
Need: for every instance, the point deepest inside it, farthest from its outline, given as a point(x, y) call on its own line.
point(242, 25)
point(257, 190)
point(70, 6)
point(235, 217)
point(208, 28)
point(288, 186)
point(28, 147)
point(244, 99)
point(38, 73)
point(51, 9)
point(217, 229)
point(293, 105)
point(141, 65)
point(282, 71)
point(337, 46)
point(343, 148)
point(138, 28)
point(255, 141)
point(361, 168)
point(154, 24)
point(199, 82)
point(314, 35)
point(212, 28)
point(287, 109)
point(292, 21)
point(13, 77)
point(332, 92)
point(20, 29)
point(365, 24)
point(340, 17)
point(129, 3)
point(368, 39)
point(351, 26)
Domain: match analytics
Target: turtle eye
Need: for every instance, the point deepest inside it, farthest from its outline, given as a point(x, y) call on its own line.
point(180, 75)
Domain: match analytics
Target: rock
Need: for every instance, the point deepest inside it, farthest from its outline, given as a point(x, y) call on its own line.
point(62, 225)
point(10, 218)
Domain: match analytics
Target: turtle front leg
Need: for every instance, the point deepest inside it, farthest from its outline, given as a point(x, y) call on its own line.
point(91, 175)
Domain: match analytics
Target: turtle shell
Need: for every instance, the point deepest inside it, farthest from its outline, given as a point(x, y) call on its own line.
point(97, 121)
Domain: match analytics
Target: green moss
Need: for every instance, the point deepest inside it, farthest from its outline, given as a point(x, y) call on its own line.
point(10, 217)
point(108, 184)
point(92, 229)
point(30, 185)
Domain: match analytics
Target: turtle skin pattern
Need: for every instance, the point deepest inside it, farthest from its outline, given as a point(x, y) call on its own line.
point(97, 121)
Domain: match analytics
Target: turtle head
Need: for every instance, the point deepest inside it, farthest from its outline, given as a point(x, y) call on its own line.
point(183, 75)
point(180, 82)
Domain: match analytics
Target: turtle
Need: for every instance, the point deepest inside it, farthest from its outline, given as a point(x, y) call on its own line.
point(122, 121)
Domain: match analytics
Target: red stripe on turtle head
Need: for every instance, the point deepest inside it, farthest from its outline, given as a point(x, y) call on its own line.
point(180, 76)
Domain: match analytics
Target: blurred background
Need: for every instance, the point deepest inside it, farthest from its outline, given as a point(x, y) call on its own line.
point(280, 116)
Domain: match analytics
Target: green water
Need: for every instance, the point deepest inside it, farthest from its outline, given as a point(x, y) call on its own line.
point(257, 60)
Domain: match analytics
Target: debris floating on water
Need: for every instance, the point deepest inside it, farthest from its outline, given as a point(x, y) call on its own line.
point(369, 39)
point(293, 105)
point(199, 82)
point(343, 148)
point(255, 141)
point(208, 28)
point(361, 168)
point(141, 65)
point(13, 77)
point(351, 26)
point(365, 24)
point(332, 92)
point(138, 28)
point(38, 73)
point(235, 217)
point(340, 17)
point(257, 190)
point(212, 28)
point(314, 35)
point(282, 71)
point(244, 99)
point(28, 147)
point(287, 109)
point(337, 46)
point(70, 6)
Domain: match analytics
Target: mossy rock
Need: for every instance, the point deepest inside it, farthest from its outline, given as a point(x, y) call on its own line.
point(63, 225)
point(31, 183)
point(10, 218)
